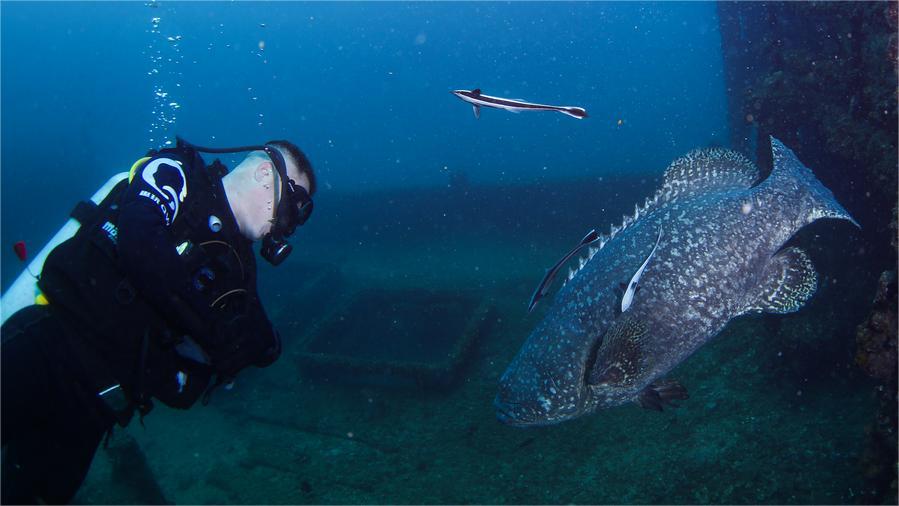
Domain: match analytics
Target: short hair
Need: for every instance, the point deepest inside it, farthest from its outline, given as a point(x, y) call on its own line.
point(299, 160)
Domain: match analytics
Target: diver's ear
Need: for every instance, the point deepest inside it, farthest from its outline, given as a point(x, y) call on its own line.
point(263, 172)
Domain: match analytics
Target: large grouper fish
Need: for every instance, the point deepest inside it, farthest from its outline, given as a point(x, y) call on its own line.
point(706, 248)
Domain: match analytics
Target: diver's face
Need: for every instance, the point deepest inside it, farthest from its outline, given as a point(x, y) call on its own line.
point(269, 196)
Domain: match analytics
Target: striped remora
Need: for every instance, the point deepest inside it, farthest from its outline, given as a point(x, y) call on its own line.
point(478, 100)
point(628, 298)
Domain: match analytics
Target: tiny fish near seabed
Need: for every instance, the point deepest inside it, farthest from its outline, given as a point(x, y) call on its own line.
point(721, 256)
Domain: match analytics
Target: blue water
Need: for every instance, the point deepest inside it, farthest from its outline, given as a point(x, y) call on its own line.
point(419, 201)
point(362, 88)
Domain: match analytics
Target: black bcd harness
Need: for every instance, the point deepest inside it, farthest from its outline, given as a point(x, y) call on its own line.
point(146, 353)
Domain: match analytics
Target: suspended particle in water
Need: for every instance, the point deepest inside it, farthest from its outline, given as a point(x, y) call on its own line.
point(262, 45)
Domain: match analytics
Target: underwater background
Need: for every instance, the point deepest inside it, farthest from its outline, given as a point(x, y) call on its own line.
point(406, 295)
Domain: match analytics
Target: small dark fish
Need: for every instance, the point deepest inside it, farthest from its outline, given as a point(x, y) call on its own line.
point(21, 252)
point(476, 99)
point(551, 273)
point(527, 442)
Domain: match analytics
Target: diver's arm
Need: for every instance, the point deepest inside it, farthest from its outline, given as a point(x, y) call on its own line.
point(250, 336)
point(267, 338)
point(146, 247)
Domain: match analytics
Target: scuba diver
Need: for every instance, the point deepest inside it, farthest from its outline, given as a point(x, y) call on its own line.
point(153, 298)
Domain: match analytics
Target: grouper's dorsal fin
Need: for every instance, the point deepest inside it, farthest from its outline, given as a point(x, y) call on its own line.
point(707, 170)
point(698, 172)
point(788, 282)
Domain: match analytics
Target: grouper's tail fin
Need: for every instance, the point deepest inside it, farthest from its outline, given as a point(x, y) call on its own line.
point(790, 173)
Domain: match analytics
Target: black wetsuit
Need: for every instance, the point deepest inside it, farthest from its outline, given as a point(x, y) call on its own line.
point(156, 293)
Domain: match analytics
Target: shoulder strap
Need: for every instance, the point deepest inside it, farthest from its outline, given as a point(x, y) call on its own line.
point(87, 212)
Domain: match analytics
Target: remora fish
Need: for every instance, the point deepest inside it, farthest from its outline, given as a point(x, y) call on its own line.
point(628, 298)
point(552, 271)
point(720, 258)
point(477, 100)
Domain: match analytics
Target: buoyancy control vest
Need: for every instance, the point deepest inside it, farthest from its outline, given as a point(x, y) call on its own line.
point(148, 350)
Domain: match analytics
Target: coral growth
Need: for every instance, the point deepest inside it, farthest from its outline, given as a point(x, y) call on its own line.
point(876, 337)
point(876, 354)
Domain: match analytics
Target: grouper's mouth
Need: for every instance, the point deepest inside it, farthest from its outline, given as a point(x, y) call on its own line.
point(543, 410)
point(504, 413)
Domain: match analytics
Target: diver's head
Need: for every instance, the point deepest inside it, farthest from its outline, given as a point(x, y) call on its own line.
point(254, 190)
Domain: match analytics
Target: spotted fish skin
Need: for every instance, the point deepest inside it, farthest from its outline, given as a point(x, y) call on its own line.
point(719, 257)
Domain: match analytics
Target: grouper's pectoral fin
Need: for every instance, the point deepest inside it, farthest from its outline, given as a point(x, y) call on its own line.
point(620, 361)
point(620, 356)
point(788, 282)
point(662, 393)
